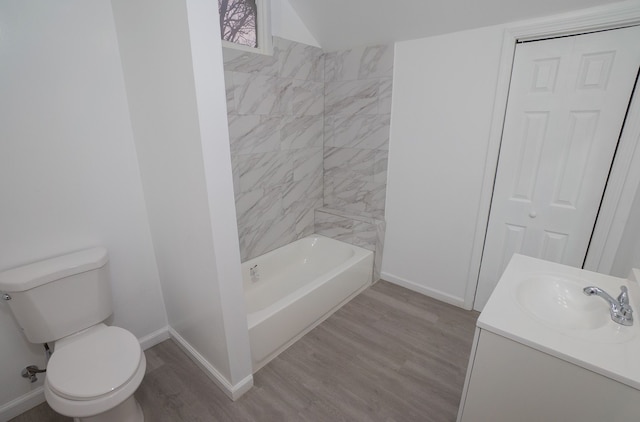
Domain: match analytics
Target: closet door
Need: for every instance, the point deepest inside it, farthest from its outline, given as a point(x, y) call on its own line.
point(567, 102)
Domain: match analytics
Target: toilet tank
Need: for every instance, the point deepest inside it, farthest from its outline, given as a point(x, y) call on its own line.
point(57, 297)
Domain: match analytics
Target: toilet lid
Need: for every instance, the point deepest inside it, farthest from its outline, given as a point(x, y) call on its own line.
point(94, 364)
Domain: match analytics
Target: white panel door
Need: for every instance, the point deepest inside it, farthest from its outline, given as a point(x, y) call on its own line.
point(567, 102)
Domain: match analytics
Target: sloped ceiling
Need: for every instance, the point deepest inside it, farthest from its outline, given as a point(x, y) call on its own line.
point(338, 24)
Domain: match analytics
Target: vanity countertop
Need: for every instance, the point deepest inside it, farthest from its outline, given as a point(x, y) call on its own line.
point(609, 349)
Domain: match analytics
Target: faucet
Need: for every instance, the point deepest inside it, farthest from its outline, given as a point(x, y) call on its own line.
point(253, 272)
point(619, 308)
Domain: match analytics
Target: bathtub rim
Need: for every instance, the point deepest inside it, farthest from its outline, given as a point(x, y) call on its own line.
point(256, 317)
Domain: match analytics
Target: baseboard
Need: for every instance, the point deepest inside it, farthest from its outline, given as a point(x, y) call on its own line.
point(419, 288)
point(154, 338)
point(33, 398)
point(234, 392)
point(21, 404)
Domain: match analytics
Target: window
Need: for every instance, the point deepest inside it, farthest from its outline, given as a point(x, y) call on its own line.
point(244, 24)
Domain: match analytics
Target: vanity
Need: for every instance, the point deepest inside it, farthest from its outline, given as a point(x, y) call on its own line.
point(545, 351)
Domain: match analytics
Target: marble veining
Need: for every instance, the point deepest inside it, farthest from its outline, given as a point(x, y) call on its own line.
point(267, 233)
point(351, 97)
point(353, 163)
point(307, 98)
point(259, 204)
point(264, 170)
point(333, 226)
point(245, 62)
point(358, 95)
point(375, 198)
point(275, 106)
point(259, 94)
point(303, 214)
point(306, 163)
point(301, 132)
point(355, 179)
point(359, 230)
point(309, 130)
point(307, 190)
point(380, 164)
point(384, 96)
point(346, 195)
point(230, 92)
point(360, 131)
point(358, 99)
point(254, 134)
point(381, 228)
point(299, 61)
point(359, 63)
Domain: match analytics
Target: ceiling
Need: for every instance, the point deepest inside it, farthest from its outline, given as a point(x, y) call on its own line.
point(339, 24)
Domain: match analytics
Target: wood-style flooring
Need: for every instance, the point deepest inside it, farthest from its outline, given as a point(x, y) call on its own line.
point(388, 355)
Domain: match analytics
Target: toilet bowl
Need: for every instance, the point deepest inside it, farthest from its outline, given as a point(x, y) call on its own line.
point(94, 369)
point(92, 375)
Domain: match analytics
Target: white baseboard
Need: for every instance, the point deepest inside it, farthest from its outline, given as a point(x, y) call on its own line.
point(419, 288)
point(234, 392)
point(154, 338)
point(21, 404)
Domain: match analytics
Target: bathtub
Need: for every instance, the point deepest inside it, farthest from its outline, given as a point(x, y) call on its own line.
point(292, 289)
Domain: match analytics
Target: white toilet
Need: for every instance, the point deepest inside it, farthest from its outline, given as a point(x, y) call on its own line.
point(94, 369)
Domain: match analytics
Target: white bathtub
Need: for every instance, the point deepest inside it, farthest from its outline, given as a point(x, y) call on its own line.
point(298, 286)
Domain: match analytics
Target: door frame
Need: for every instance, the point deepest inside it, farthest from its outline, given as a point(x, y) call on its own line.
point(625, 175)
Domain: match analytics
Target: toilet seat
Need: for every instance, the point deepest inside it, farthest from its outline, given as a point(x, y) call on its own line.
point(93, 363)
point(104, 405)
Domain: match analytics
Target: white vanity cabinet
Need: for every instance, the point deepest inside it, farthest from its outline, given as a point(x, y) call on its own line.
point(546, 352)
point(508, 381)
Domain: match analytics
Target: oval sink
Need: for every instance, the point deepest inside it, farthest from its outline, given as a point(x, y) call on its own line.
point(559, 301)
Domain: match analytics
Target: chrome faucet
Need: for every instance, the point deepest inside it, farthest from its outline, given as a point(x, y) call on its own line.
point(619, 308)
point(254, 274)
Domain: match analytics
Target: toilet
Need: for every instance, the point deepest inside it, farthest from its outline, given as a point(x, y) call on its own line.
point(95, 368)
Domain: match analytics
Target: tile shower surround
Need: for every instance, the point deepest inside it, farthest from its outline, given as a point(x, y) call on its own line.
point(362, 230)
point(275, 110)
point(309, 131)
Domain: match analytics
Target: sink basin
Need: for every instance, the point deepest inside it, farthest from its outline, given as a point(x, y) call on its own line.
point(541, 305)
point(558, 301)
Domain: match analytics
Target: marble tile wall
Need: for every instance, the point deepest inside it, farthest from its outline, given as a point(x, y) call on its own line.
point(357, 118)
point(361, 230)
point(308, 131)
point(275, 109)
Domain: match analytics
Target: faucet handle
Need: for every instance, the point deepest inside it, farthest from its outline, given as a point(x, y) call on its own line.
point(623, 297)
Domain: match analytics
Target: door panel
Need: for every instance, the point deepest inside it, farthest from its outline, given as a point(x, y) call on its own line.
point(567, 102)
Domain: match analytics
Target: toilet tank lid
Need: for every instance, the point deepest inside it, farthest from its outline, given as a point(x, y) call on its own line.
point(38, 273)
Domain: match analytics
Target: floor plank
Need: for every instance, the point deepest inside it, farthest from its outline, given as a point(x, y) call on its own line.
point(389, 355)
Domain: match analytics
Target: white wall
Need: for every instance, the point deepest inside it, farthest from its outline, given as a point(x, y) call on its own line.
point(285, 23)
point(444, 91)
point(212, 112)
point(172, 61)
point(340, 24)
point(69, 177)
point(443, 95)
